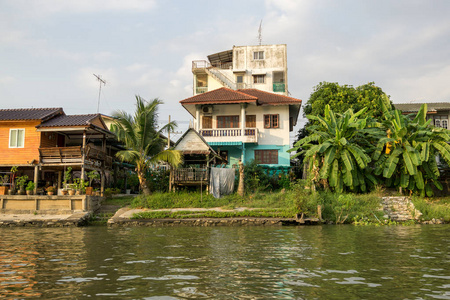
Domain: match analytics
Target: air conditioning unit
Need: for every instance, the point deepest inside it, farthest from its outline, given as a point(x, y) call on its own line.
point(207, 109)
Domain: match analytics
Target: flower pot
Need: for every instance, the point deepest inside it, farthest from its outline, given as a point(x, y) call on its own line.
point(21, 191)
point(3, 190)
point(64, 192)
point(89, 190)
point(11, 192)
point(78, 193)
point(29, 192)
point(50, 193)
point(71, 192)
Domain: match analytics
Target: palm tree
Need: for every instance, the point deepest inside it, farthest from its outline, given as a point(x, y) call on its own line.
point(143, 142)
point(334, 153)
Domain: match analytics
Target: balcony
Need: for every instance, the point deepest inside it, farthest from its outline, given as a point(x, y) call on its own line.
point(201, 89)
point(74, 156)
point(279, 87)
point(230, 135)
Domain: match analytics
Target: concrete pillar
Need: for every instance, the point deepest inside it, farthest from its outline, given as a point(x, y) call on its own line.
point(83, 155)
point(197, 117)
point(36, 177)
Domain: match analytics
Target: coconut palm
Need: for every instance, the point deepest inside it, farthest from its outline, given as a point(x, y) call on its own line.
point(143, 141)
point(334, 153)
point(406, 157)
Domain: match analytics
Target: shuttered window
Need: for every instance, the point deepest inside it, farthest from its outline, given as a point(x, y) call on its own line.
point(207, 122)
point(271, 121)
point(250, 121)
point(227, 121)
point(266, 156)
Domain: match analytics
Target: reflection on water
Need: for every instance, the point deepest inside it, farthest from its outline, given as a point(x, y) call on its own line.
point(321, 262)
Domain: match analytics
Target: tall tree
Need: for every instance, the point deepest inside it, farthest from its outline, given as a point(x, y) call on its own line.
point(143, 141)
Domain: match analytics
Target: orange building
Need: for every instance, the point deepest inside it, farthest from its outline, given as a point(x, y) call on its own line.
point(43, 142)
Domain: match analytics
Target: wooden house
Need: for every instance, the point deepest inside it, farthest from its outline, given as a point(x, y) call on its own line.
point(198, 156)
point(43, 142)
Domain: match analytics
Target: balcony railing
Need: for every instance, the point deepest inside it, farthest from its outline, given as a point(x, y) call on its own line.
point(230, 135)
point(74, 155)
point(201, 89)
point(279, 87)
point(190, 175)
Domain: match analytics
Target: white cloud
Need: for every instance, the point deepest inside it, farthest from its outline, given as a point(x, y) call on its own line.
point(7, 79)
point(40, 7)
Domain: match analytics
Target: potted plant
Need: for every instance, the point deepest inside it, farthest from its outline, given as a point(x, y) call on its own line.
point(67, 177)
point(50, 190)
point(92, 176)
point(3, 184)
point(30, 188)
point(80, 186)
point(21, 181)
point(12, 189)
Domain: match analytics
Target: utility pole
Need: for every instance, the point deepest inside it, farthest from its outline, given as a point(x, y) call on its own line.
point(99, 78)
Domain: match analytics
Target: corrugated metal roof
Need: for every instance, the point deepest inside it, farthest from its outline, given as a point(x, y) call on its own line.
point(414, 107)
point(22, 114)
point(72, 120)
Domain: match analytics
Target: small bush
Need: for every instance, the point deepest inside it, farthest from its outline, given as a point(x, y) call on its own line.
point(433, 209)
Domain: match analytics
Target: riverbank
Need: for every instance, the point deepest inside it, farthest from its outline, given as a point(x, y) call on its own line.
point(56, 219)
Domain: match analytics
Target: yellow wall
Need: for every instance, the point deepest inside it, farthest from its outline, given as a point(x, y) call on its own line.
point(18, 156)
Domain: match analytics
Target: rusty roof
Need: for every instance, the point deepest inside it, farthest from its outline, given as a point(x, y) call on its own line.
point(22, 114)
point(72, 120)
point(414, 107)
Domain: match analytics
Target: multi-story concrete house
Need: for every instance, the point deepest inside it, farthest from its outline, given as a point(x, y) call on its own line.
point(262, 67)
point(241, 106)
point(245, 124)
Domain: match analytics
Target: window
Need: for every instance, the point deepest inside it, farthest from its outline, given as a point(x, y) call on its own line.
point(441, 121)
point(266, 156)
point(227, 121)
point(258, 55)
point(271, 121)
point(207, 122)
point(259, 78)
point(239, 78)
point(250, 121)
point(16, 138)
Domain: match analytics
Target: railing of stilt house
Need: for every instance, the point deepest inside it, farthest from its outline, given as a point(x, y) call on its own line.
point(190, 175)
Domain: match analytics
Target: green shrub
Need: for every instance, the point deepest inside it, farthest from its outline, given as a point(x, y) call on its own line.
point(433, 209)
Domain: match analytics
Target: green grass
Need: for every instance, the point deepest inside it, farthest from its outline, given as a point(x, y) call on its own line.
point(262, 213)
point(433, 208)
point(121, 201)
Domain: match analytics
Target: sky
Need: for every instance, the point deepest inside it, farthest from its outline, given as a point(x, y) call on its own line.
point(50, 49)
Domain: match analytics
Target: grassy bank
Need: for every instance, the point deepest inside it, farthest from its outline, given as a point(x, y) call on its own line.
point(334, 207)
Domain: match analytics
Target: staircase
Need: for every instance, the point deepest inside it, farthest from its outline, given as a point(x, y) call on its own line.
point(400, 209)
point(222, 78)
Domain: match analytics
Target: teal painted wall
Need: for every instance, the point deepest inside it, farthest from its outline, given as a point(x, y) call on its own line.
point(235, 152)
point(283, 155)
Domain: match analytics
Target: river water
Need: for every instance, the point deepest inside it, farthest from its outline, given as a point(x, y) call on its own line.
point(307, 262)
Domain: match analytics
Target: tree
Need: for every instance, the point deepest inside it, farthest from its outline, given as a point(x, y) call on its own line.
point(406, 156)
point(333, 152)
point(340, 98)
point(143, 142)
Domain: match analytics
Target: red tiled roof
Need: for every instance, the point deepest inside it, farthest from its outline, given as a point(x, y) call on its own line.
point(227, 96)
point(72, 120)
point(220, 96)
point(267, 98)
point(22, 114)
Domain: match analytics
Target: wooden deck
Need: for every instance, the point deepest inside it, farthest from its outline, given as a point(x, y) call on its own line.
point(191, 176)
point(74, 155)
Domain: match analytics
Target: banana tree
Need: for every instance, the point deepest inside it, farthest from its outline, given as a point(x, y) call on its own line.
point(406, 157)
point(334, 153)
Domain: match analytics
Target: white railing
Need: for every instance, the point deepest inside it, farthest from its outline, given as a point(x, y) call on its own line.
point(230, 135)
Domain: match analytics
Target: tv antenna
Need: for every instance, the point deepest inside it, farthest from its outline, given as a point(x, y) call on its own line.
point(100, 80)
point(260, 33)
